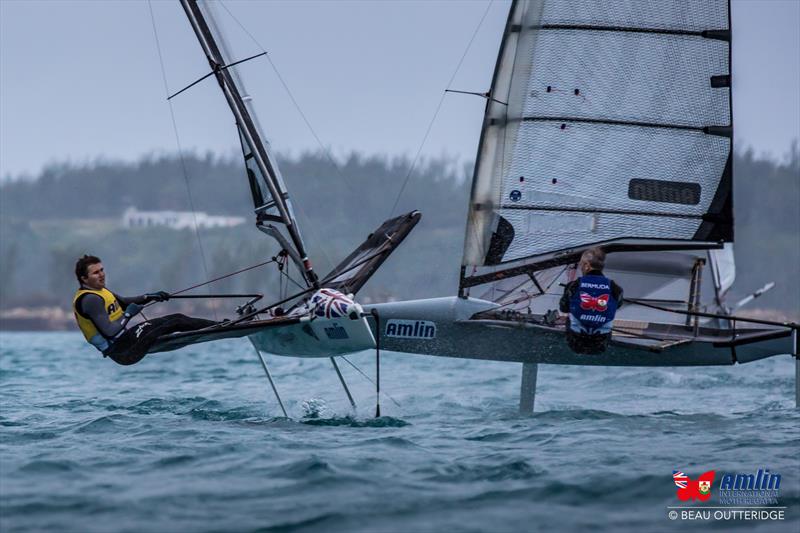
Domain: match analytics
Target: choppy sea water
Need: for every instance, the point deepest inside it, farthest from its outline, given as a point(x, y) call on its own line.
point(194, 441)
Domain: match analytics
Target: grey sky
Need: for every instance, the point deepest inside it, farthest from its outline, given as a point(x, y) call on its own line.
point(82, 80)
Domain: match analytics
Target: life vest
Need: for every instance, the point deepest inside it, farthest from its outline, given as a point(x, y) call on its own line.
point(87, 327)
point(592, 306)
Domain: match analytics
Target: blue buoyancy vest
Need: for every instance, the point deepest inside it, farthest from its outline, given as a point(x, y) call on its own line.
point(592, 306)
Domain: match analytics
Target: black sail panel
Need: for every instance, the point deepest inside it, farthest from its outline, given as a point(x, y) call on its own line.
point(271, 200)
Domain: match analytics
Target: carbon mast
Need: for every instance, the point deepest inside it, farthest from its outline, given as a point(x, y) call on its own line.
point(277, 208)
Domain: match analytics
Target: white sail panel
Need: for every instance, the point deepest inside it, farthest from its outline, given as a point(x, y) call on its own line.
point(608, 121)
point(482, 218)
point(687, 15)
point(641, 77)
point(541, 231)
point(723, 267)
point(598, 174)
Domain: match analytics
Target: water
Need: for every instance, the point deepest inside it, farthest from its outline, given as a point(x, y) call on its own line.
point(193, 441)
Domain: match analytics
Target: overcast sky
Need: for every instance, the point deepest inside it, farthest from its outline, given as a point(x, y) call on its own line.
point(81, 80)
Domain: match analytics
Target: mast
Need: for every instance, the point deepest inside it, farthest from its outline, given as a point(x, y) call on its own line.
point(251, 138)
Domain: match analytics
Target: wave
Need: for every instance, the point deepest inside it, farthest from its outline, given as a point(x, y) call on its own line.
point(460, 472)
point(50, 467)
point(104, 424)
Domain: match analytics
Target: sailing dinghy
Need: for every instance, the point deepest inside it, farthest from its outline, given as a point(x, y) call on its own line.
point(608, 124)
point(322, 319)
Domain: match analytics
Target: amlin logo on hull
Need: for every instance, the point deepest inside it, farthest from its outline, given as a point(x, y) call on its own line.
point(411, 329)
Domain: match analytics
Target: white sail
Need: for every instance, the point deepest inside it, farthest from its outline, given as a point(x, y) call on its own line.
point(724, 268)
point(609, 121)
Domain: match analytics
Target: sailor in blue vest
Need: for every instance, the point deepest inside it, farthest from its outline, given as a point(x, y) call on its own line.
point(591, 301)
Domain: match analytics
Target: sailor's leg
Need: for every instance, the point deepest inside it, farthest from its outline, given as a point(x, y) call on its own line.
point(527, 393)
point(132, 346)
point(123, 352)
point(179, 322)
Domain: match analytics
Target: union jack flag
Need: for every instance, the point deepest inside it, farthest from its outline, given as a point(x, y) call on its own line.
point(328, 303)
point(681, 479)
point(590, 302)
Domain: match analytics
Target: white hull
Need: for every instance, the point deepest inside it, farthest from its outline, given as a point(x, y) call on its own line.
point(317, 337)
point(458, 336)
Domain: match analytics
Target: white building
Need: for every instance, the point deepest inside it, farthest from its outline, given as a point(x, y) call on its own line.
point(133, 218)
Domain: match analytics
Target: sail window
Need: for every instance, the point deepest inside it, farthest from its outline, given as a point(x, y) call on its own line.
point(671, 192)
point(723, 80)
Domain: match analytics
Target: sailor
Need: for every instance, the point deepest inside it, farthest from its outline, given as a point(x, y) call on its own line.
point(103, 316)
point(591, 301)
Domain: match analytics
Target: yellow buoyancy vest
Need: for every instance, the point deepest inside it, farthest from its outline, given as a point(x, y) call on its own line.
point(89, 330)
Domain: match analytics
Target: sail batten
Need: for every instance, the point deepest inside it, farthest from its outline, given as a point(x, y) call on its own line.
point(617, 128)
point(722, 131)
point(723, 35)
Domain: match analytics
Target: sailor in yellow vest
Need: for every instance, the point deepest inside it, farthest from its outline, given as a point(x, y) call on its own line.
point(103, 316)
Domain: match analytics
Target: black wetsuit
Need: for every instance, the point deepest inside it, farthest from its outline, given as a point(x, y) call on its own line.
point(584, 343)
point(129, 346)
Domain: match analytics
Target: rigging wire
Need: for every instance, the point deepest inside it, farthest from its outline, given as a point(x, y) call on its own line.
point(784, 324)
point(290, 278)
point(273, 260)
point(529, 296)
point(180, 151)
point(325, 150)
point(438, 108)
point(283, 268)
point(369, 379)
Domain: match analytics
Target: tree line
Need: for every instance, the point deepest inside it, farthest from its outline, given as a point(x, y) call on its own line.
point(68, 210)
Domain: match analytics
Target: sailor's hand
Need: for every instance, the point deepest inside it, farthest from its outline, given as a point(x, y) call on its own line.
point(160, 296)
point(132, 310)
